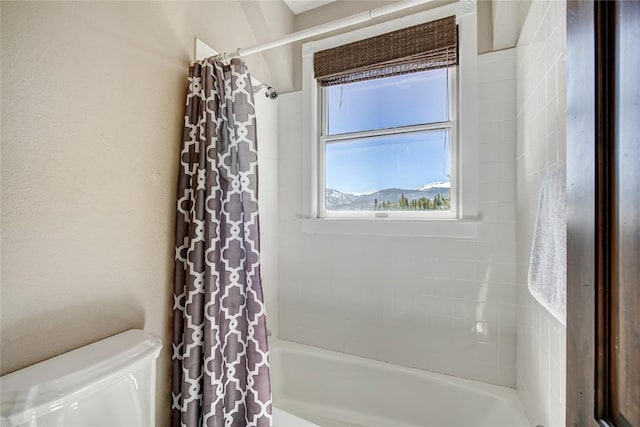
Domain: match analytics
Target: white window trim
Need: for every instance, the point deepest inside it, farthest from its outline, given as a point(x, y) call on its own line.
point(464, 162)
point(451, 125)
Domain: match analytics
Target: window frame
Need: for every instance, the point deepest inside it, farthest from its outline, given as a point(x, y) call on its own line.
point(450, 125)
point(464, 162)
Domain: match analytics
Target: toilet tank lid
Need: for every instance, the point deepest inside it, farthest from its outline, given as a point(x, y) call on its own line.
point(52, 383)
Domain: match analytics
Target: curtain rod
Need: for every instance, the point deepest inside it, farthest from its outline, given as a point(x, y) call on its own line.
point(325, 28)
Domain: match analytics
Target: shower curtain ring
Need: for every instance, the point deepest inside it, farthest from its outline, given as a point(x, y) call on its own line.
point(222, 57)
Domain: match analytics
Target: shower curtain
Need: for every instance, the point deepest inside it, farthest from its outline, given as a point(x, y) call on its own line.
point(220, 356)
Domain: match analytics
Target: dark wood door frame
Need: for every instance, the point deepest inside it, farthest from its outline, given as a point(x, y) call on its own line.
point(595, 31)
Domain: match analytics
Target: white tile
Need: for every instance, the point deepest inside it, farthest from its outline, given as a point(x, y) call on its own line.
point(456, 249)
point(496, 272)
point(495, 252)
point(484, 371)
point(355, 292)
point(490, 212)
point(497, 111)
point(508, 152)
point(506, 366)
point(552, 149)
point(497, 131)
point(540, 88)
point(552, 116)
point(497, 172)
point(462, 309)
point(500, 232)
point(486, 352)
point(507, 212)
point(541, 153)
point(494, 71)
point(487, 312)
point(550, 82)
point(501, 90)
point(489, 151)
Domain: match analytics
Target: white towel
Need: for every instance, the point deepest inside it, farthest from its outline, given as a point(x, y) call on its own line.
point(548, 263)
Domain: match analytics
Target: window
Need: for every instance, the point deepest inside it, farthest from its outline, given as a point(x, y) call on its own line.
point(394, 137)
point(386, 146)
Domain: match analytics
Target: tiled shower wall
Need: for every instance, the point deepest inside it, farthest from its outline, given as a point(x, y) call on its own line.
point(440, 304)
point(541, 88)
point(267, 137)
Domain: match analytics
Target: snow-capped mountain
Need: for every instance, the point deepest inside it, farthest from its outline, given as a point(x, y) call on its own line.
point(436, 184)
point(337, 200)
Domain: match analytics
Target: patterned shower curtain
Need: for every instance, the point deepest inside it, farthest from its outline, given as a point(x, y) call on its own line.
point(220, 355)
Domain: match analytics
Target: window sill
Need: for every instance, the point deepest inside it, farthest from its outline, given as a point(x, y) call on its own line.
point(451, 228)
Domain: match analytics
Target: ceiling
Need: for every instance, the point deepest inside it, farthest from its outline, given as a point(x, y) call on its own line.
point(499, 21)
point(299, 6)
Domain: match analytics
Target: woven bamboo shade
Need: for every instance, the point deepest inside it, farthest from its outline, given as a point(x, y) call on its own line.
point(422, 47)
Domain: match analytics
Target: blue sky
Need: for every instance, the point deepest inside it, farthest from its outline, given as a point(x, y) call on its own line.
point(403, 161)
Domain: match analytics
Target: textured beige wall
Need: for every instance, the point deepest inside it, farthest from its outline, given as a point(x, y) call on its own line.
point(92, 105)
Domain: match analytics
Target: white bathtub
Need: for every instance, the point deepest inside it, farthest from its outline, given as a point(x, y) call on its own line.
point(338, 390)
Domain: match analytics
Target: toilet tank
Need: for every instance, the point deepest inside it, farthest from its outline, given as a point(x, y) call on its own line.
point(108, 383)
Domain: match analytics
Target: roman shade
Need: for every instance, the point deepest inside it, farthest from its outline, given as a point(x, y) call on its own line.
point(422, 47)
